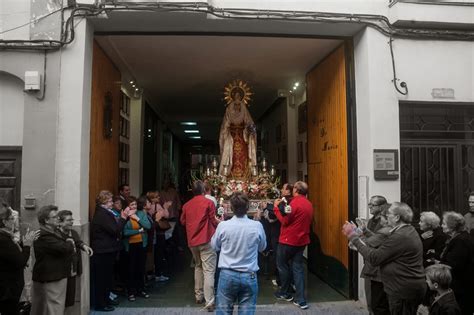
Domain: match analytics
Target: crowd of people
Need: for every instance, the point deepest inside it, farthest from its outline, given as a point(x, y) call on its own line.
point(427, 269)
point(133, 235)
point(410, 271)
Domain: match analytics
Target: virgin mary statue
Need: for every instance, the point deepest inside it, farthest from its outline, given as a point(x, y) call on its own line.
point(237, 137)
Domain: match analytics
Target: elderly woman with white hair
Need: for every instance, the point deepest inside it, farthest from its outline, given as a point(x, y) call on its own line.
point(459, 255)
point(432, 237)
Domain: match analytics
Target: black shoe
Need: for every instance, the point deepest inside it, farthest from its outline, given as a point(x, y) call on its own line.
point(143, 294)
point(113, 302)
point(285, 297)
point(107, 308)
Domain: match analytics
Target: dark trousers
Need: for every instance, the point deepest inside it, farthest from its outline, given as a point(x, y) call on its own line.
point(290, 262)
point(103, 277)
point(400, 306)
point(71, 291)
point(9, 307)
point(136, 268)
point(379, 299)
point(160, 255)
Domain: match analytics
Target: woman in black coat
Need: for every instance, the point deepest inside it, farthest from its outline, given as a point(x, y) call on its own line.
point(13, 259)
point(432, 237)
point(106, 234)
point(459, 254)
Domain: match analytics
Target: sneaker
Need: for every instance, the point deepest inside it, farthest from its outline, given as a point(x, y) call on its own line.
point(113, 296)
point(275, 283)
point(302, 305)
point(143, 294)
point(285, 297)
point(161, 278)
point(132, 298)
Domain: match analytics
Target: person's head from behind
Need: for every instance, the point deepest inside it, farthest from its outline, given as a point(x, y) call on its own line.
point(239, 203)
point(198, 188)
point(429, 221)
point(48, 216)
point(438, 277)
point(207, 187)
point(300, 189)
point(286, 190)
point(376, 204)
point(399, 213)
point(6, 218)
point(66, 220)
point(453, 223)
point(124, 190)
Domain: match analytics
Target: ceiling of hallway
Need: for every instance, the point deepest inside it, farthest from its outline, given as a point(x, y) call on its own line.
point(184, 75)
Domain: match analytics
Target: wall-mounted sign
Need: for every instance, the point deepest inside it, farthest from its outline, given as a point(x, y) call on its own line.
point(386, 164)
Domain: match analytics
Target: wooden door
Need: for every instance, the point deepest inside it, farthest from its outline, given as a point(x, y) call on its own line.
point(10, 175)
point(328, 168)
point(105, 116)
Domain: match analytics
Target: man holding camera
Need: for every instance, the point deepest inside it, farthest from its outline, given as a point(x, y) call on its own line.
point(296, 219)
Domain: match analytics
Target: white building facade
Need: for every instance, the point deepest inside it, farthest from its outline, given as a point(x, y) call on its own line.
point(45, 131)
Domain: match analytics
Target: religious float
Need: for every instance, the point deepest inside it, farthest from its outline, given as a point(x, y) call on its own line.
point(238, 169)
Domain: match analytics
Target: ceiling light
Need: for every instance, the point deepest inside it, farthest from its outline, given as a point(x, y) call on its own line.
point(189, 123)
point(191, 131)
point(131, 82)
point(297, 84)
point(136, 89)
point(195, 137)
point(294, 88)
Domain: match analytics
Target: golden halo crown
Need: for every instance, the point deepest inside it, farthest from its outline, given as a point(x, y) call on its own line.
point(234, 86)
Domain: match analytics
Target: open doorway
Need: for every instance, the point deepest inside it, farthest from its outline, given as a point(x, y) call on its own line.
point(182, 77)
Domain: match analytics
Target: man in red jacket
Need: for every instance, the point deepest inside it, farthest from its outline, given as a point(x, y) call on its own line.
point(199, 219)
point(296, 219)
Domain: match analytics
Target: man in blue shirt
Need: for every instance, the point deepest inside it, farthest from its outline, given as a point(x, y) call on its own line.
point(239, 240)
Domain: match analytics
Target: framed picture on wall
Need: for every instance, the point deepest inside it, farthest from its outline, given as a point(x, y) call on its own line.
point(302, 118)
point(300, 151)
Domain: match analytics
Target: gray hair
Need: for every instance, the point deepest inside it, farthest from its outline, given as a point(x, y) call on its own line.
point(403, 211)
point(454, 221)
point(431, 219)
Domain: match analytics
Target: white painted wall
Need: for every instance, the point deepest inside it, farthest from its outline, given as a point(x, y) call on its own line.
point(73, 134)
point(12, 107)
point(14, 13)
point(423, 65)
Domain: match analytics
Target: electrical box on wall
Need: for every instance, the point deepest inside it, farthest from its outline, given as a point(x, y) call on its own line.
point(386, 164)
point(32, 81)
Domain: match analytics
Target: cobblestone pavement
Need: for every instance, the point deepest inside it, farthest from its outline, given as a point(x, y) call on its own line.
point(324, 308)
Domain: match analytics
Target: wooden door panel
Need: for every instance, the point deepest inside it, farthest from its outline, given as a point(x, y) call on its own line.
point(328, 164)
point(10, 175)
point(104, 151)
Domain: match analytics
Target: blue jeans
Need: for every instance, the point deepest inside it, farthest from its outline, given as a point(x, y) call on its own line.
point(290, 261)
point(236, 288)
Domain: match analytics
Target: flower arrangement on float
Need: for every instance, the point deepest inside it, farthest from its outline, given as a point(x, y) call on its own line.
point(257, 185)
